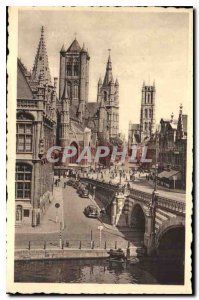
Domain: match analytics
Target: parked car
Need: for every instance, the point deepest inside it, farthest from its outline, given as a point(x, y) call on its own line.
point(80, 187)
point(70, 182)
point(84, 193)
point(75, 184)
point(91, 211)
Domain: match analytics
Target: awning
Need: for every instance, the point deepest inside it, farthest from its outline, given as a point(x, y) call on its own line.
point(172, 175)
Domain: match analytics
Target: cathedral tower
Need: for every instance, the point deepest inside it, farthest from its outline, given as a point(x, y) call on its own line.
point(74, 67)
point(108, 92)
point(147, 114)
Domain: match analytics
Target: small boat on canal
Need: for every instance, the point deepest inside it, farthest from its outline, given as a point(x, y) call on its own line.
point(117, 256)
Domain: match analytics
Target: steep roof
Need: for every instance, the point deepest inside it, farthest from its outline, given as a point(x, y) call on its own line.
point(23, 87)
point(41, 71)
point(74, 47)
point(108, 76)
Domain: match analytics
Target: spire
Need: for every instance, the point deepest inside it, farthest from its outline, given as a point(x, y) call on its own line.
point(172, 115)
point(63, 49)
point(41, 71)
point(181, 107)
point(100, 81)
point(180, 124)
point(108, 76)
point(83, 48)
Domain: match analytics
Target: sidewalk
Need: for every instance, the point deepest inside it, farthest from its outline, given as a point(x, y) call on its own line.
point(48, 222)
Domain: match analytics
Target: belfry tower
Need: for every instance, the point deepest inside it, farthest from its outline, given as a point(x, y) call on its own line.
point(108, 92)
point(147, 114)
point(74, 71)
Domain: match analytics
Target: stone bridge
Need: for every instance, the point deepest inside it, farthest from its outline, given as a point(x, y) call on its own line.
point(162, 224)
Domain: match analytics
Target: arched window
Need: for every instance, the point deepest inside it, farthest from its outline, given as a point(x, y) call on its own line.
point(69, 87)
point(69, 70)
point(150, 113)
point(23, 176)
point(149, 97)
point(76, 89)
point(149, 125)
point(146, 126)
point(146, 113)
point(24, 136)
point(76, 70)
point(105, 96)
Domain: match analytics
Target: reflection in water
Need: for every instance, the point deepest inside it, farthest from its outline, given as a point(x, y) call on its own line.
point(98, 271)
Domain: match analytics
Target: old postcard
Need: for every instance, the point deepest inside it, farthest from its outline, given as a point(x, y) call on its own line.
point(100, 116)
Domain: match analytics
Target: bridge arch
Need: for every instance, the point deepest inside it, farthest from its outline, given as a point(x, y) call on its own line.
point(138, 218)
point(171, 242)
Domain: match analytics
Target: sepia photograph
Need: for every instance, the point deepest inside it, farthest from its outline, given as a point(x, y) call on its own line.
point(100, 141)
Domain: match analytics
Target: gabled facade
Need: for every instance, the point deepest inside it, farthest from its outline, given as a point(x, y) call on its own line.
point(35, 134)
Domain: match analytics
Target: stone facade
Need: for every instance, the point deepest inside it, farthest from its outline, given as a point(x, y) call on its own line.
point(36, 133)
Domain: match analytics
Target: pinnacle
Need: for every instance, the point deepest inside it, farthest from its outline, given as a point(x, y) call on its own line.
point(63, 49)
point(65, 93)
point(41, 70)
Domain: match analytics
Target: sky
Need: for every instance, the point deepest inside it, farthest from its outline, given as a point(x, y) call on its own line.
point(145, 46)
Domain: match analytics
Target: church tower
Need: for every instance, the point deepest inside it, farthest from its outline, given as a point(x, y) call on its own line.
point(147, 114)
point(108, 92)
point(74, 68)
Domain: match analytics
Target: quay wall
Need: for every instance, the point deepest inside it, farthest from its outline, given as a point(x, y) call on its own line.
point(41, 254)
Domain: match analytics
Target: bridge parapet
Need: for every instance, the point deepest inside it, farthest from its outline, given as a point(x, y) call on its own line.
point(171, 205)
point(168, 204)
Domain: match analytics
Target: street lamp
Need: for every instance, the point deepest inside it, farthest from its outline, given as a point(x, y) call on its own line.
point(94, 188)
point(156, 160)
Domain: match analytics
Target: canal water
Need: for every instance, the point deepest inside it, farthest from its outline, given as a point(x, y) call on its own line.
point(98, 271)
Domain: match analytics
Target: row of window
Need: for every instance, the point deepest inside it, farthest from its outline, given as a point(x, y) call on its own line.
point(72, 70)
point(113, 117)
point(147, 113)
point(148, 98)
point(147, 126)
point(73, 91)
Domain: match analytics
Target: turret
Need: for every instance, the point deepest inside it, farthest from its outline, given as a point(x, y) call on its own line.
point(116, 92)
point(180, 130)
point(99, 86)
point(172, 115)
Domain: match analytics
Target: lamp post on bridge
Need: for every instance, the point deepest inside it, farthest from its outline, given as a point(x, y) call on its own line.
point(94, 188)
point(155, 192)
